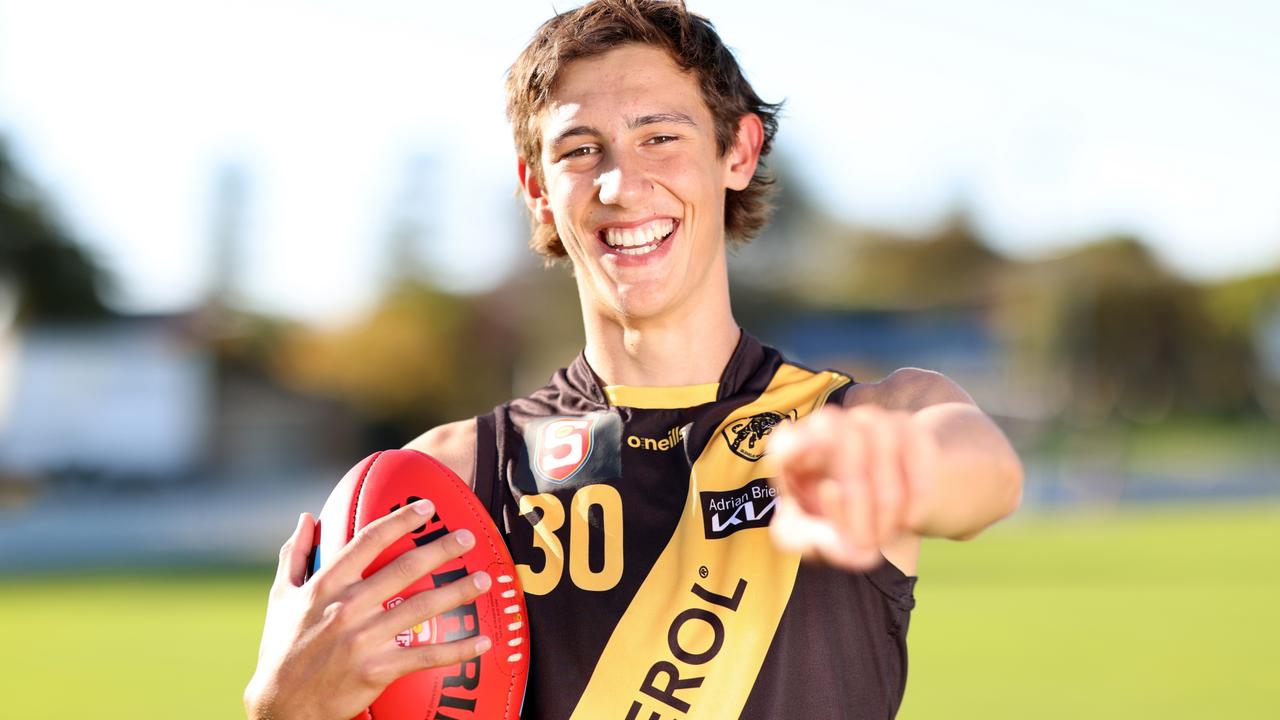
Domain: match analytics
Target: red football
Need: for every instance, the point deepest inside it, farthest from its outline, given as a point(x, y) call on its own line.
point(490, 686)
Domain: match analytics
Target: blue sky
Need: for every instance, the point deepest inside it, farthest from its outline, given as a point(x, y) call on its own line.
point(1054, 121)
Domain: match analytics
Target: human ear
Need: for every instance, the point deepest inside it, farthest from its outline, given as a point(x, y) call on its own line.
point(531, 189)
point(745, 153)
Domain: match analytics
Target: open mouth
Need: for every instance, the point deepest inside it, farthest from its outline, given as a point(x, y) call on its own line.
point(639, 240)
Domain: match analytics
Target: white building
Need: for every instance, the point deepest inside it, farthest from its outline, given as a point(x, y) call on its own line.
point(127, 399)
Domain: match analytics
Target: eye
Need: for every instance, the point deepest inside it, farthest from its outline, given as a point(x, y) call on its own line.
point(578, 152)
point(661, 139)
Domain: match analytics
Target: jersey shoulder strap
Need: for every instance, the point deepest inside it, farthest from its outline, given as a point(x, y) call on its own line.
point(488, 474)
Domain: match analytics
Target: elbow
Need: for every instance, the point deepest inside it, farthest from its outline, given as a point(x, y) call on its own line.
point(1005, 501)
point(1014, 477)
point(1008, 495)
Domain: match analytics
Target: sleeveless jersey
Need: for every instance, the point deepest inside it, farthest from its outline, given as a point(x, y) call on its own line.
point(638, 520)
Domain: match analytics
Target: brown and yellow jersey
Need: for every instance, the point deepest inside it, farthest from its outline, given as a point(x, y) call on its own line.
point(638, 521)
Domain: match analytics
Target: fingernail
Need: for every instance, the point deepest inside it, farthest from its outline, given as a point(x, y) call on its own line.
point(482, 580)
point(465, 538)
point(483, 643)
point(423, 507)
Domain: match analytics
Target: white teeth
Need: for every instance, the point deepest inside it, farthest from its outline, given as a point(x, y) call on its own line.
point(634, 238)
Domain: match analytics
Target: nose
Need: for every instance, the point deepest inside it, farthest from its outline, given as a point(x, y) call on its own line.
point(623, 183)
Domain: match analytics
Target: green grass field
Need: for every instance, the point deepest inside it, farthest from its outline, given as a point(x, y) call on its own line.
point(1168, 613)
point(1141, 614)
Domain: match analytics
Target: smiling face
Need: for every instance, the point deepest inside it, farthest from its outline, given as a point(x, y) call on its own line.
point(633, 181)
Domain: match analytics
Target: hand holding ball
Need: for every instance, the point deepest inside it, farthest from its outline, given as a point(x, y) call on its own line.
point(488, 686)
point(407, 607)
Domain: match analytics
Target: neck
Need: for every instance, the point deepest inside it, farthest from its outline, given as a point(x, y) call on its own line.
point(690, 346)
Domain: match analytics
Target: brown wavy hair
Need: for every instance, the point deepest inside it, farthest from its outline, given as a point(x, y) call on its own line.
point(692, 42)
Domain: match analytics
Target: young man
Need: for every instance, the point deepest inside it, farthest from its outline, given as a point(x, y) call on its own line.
point(660, 546)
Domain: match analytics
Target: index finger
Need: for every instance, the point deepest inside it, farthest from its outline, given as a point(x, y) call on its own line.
point(413, 565)
point(349, 564)
point(803, 454)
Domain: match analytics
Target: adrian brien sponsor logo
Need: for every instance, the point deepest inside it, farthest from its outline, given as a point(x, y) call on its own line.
point(750, 506)
point(746, 436)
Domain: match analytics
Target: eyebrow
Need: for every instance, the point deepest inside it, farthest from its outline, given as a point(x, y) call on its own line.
point(635, 123)
point(678, 118)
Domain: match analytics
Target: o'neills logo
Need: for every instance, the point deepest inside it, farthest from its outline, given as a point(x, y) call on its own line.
point(750, 506)
point(746, 436)
point(673, 438)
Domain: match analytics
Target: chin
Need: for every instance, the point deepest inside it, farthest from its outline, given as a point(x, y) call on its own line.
point(642, 303)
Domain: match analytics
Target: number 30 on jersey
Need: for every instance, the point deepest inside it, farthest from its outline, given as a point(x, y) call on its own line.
point(552, 517)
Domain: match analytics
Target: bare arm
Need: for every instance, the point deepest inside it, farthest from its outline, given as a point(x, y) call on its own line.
point(972, 473)
point(453, 444)
point(908, 457)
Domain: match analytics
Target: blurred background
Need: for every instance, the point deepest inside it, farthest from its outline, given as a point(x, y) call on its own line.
point(243, 244)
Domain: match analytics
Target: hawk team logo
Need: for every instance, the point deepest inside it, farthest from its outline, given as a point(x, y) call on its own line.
point(746, 436)
point(563, 447)
point(750, 506)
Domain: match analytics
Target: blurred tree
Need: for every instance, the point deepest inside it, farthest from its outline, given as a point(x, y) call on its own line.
point(422, 357)
point(1245, 312)
point(229, 245)
point(1125, 335)
point(1237, 305)
point(769, 261)
point(52, 276)
point(410, 228)
point(947, 266)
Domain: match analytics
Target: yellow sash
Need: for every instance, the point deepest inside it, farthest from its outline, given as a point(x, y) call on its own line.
point(692, 640)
